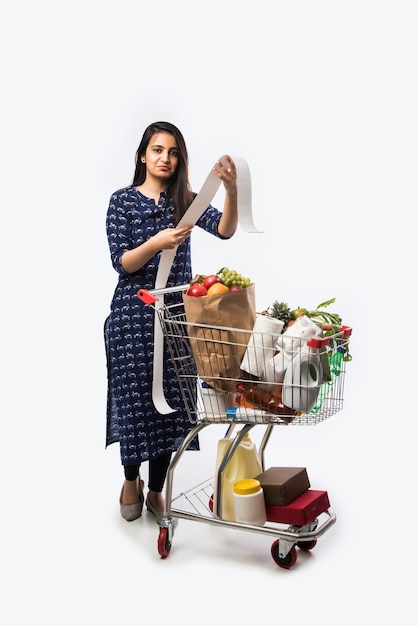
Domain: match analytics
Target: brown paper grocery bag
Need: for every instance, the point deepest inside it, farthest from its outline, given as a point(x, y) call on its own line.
point(218, 352)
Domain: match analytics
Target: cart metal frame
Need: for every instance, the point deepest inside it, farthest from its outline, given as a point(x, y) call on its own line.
point(197, 504)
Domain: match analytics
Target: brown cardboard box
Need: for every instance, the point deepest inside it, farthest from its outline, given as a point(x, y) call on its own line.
point(282, 485)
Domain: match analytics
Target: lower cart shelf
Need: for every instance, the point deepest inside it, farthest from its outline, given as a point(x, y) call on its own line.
point(297, 525)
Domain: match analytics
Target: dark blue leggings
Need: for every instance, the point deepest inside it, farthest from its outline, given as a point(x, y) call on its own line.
point(157, 471)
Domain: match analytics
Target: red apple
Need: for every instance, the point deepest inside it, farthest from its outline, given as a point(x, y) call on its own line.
point(235, 288)
point(197, 290)
point(210, 280)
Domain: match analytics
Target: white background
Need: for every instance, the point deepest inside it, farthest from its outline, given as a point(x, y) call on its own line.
point(320, 99)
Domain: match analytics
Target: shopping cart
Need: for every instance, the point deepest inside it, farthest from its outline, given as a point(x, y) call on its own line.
point(305, 390)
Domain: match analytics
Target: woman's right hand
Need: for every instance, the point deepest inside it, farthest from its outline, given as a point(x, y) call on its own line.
point(170, 238)
point(166, 239)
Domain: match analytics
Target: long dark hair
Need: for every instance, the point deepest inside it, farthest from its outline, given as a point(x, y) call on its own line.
point(179, 190)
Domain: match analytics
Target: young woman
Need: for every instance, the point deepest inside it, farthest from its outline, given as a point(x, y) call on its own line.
point(141, 222)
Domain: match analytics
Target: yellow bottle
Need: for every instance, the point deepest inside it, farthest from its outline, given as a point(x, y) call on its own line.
point(245, 463)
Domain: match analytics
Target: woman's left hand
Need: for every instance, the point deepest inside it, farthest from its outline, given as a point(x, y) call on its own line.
point(225, 170)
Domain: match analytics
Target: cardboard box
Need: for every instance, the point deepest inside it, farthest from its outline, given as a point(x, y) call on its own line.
point(301, 511)
point(282, 485)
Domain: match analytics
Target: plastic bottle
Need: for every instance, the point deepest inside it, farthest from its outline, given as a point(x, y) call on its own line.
point(258, 396)
point(249, 502)
point(335, 363)
point(303, 378)
point(244, 463)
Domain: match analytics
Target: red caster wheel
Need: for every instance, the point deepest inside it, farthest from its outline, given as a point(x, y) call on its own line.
point(164, 544)
point(286, 562)
point(306, 545)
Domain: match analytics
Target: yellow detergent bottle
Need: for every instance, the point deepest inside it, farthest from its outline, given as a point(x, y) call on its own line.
point(245, 463)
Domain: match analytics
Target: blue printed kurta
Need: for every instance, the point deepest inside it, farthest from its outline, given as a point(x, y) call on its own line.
point(143, 433)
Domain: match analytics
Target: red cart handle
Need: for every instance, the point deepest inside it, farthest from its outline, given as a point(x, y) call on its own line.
point(146, 296)
point(317, 342)
point(320, 342)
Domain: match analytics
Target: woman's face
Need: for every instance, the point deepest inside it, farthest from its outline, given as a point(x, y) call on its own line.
point(161, 156)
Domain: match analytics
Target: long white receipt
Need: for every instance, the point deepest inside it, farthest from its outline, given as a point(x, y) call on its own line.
point(195, 210)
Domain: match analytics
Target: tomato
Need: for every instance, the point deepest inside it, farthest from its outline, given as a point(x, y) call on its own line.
point(197, 290)
point(211, 280)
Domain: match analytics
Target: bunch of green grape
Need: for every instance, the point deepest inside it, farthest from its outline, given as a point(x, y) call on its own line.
point(232, 277)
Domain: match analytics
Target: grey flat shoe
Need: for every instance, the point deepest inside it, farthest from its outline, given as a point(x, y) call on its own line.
point(151, 508)
point(131, 512)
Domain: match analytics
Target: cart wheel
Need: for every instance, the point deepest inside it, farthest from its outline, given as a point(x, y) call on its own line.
point(306, 545)
point(286, 562)
point(164, 544)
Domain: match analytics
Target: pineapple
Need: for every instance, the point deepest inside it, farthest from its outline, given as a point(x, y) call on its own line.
point(281, 311)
